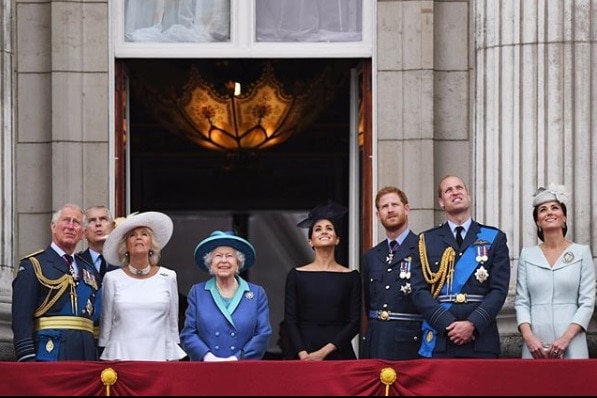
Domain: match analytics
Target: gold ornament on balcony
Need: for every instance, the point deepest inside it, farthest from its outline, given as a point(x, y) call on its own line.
point(235, 115)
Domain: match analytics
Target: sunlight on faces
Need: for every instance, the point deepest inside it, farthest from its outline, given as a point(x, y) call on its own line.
point(392, 213)
point(68, 230)
point(99, 225)
point(324, 234)
point(224, 262)
point(453, 195)
point(138, 240)
point(550, 215)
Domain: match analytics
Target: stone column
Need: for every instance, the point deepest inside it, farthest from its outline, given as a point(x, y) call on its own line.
point(6, 134)
point(535, 118)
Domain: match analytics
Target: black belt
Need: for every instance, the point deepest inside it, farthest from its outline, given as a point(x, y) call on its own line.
point(385, 315)
point(460, 298)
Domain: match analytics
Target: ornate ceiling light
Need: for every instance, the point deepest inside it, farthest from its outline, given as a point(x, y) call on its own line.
point(210, 110)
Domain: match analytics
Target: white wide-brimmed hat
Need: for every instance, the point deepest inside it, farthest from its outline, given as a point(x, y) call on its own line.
point(160, 224)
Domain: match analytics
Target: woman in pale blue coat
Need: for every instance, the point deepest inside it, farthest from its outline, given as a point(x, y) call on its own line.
point(227, 318)
point(555, 287)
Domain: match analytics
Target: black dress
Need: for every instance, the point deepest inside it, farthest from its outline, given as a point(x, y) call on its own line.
point(322, 307)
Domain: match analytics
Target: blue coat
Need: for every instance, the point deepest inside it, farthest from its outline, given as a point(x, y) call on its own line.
point(493, 289)
point(28, 293)
point(243, 329)
point(388, 287)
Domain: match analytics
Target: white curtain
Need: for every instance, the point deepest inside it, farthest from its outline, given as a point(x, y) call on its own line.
point(309, 20)
point(209, 20)
point(177, 20)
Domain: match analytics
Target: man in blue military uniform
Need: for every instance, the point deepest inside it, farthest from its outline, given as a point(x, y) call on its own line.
point(53, 296)
point(394, 324)
point(461, 281)
point(99, 225)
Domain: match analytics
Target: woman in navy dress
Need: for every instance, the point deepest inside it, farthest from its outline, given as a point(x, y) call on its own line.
point(322, 298)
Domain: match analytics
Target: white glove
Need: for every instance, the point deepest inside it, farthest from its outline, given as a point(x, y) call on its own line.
point(209, 357)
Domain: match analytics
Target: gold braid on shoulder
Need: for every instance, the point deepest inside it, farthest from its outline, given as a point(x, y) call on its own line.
point(59, 284)
point(436, 279)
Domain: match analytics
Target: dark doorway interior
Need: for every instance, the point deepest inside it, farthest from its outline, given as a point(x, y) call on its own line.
point(260, 194)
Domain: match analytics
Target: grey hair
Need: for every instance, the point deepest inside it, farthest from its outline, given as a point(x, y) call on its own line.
point(58, 213)
point(240, 257)
point(98, 207)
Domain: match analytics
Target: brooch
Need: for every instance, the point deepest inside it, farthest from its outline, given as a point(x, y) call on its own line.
point(406, 289)
point(249, 295)
point(481, 274)
point(568, 257)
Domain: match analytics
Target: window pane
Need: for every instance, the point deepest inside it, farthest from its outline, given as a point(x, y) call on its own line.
point(177, 20)
point(309, 20)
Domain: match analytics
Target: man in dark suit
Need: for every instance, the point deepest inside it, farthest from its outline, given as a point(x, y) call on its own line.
point(461, 281)
point(54, 296)
point(99, 225)
point(394, 324)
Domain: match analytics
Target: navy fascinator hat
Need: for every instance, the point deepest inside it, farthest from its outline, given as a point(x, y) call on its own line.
point(329, 210)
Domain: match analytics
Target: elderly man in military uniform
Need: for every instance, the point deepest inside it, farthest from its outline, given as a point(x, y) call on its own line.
point(53, 296)
point(461, 281)
point(394, 324)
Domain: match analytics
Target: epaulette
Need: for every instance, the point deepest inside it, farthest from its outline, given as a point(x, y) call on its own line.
point(80, 257)
point(433, 228)
point(489, 226)
point(33, 254)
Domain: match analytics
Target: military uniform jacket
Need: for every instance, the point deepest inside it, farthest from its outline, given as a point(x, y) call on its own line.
point(86, 255)
point(490, 284)
point(29, 293)
point(387, 286)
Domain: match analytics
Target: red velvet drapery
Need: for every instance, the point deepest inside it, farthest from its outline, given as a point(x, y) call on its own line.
point(359, 377)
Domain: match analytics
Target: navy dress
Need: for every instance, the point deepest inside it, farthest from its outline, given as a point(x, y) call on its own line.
point(322, 307)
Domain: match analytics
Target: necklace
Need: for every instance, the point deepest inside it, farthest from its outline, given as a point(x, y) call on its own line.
point(143, 271)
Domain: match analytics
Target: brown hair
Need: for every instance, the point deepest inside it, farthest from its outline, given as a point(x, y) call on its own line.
point(387, 190)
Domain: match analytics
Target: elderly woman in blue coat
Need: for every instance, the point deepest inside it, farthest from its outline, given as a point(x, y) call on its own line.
point(227, 318)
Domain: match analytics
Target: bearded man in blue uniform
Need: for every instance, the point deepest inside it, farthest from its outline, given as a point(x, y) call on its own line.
point(53, 296)
point(461, 281)
point(394, 325)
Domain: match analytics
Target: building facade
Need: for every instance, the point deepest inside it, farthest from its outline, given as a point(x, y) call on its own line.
point(500, 92)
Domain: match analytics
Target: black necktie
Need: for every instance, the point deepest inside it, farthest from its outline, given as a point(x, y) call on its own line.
point(69, 260)
point(103, 267)
point(459, 238)
point(393, 246)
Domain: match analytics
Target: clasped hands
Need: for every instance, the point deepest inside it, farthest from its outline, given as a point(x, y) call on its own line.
point(461, 332)
point(209, 357)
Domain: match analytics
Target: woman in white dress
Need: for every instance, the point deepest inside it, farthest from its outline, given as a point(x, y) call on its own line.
point(139, 319)
point(555, 287)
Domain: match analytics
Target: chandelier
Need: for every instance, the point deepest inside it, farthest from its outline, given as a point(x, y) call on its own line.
point(234, 110)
